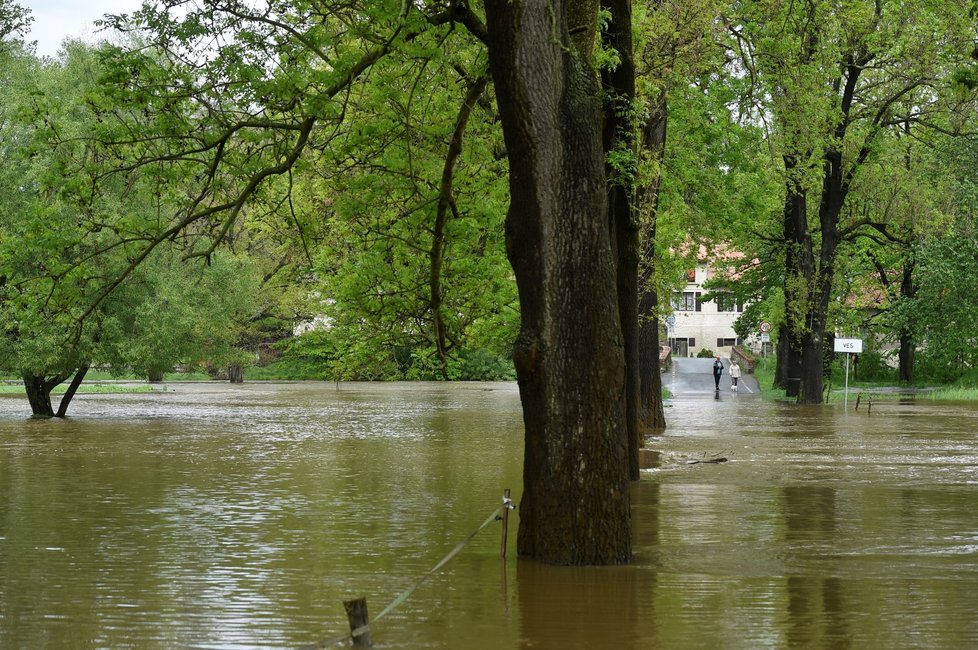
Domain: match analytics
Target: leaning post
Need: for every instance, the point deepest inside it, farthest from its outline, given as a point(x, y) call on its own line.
point(507, 506)
point(356, 613)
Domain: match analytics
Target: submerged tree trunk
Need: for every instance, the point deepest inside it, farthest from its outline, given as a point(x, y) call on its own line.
point(236, 373)
point(799, 267)
point(72, 389)
point(651, 413)
point(906, 355)
point(39, 396)
point(618, 86)
point(38, 388)
point(569, 355)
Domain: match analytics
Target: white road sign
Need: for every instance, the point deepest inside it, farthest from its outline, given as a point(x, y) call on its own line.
point(852, 346)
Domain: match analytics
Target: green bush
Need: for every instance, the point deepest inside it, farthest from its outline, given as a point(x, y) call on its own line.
point(329, 355)
point(936, 369)
point(482, 365)
point(705, 354)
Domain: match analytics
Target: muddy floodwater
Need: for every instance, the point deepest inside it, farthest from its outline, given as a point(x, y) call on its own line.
point(214, 516)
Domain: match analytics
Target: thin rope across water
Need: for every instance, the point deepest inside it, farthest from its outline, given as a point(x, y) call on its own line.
point(404, 595)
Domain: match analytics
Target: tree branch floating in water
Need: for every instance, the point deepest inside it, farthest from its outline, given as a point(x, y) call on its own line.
point(715, 459)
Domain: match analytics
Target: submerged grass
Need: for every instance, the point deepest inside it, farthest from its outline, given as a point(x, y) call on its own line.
point(14, 388)
point(875, 389)
point(953, 393)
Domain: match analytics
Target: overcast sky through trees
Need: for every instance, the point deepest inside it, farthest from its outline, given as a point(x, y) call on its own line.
point(55, 20)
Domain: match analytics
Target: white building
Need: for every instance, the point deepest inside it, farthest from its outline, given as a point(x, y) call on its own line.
point(697, 324)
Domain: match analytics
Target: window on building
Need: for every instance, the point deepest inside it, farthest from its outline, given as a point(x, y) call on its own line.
point(726, 343)
point(728, 302)
point(687, 301)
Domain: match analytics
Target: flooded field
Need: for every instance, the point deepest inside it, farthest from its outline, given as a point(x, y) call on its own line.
point(217, 516)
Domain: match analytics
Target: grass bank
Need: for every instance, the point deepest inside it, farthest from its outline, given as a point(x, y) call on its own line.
point(964, 390)
point(14, 388)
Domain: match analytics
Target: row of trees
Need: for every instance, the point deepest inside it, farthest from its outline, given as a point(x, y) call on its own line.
point(230, 159)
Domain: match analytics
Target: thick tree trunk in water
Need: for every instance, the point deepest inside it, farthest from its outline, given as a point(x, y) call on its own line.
point(907, 291)
point(834, 190)
point(619, 90)
point(38, 390)
point(788, 371)
point(236, 373)
point(812, 370)
point(39, 396)
point(799, 267)
point(155, 376)
point(651, 414)
point(906, 356)
point(569, 353)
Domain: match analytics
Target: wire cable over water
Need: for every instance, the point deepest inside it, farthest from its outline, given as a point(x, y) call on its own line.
point(404, 595)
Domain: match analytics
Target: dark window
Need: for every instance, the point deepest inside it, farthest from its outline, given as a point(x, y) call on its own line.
point(727, 302)
point(726, 343)
point(687, 301)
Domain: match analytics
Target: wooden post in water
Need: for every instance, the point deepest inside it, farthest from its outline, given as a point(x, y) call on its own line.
point(506, 507)
point(356, 613)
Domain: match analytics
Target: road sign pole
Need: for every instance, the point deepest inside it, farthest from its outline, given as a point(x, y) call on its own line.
point(847, 381)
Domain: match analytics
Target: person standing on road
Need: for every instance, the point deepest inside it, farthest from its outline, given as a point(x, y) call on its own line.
point(734, 374)
point(717, 371)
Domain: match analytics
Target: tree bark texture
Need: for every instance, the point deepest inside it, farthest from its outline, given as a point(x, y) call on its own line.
point(906, 355)
point(799, 267)
point(72, 389)
point(651, 413)
point(569, 355)
point(38, 388)
point(618, 87)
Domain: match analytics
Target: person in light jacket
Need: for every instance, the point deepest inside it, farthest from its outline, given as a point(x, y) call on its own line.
point(734, 374)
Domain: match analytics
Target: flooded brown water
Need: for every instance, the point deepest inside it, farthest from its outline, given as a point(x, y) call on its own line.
point(213, 516)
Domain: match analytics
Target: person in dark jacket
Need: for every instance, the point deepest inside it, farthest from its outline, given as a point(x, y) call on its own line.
point(717, 371)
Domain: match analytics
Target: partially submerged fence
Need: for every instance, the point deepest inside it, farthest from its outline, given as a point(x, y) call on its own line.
point(356, 609)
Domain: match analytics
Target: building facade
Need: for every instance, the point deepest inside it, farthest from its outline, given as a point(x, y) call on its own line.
point(698, 324)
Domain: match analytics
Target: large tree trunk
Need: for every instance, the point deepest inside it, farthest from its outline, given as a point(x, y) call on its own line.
point(39, 396)
point(569, 353)
point(618, 87)
point(799, 267)
point(651, 413)
point(38, 388)
point(906, 355)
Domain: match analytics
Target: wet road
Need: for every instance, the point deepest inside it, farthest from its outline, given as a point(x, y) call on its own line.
point(695, 377)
